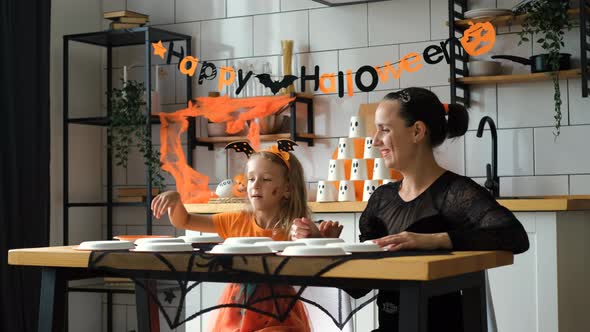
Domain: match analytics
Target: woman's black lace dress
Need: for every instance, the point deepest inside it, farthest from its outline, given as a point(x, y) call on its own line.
point(454, 204)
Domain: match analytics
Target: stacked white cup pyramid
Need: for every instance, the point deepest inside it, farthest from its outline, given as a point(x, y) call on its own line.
point(358, 172)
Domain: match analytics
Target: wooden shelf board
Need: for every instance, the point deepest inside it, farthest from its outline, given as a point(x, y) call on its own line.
point(263, 138)
point(504, 20)
point(564, 74)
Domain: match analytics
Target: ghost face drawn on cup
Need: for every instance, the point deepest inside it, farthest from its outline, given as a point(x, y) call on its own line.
point(336, 170)
point(370, 152)
point(369, 188)
point(224, 188)
point(346, 191)
point(356, 128)
point(343, 189)
point(325, 192)
point(358, 170)
point(345, 148)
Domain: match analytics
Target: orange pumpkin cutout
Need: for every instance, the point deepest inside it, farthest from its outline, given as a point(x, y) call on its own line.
point(239, 188)
point(479, 38)
point(359, 149)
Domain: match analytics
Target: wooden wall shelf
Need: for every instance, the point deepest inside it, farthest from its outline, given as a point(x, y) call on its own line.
point(564, 74)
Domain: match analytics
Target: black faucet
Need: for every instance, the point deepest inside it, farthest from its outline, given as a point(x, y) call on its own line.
point(492, 181)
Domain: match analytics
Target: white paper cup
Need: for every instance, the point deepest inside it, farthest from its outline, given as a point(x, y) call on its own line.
point(358, 169)
point(357, 127)
point(370, 152)
point(369, 187)
point(336, 170)
point(326, 192)
point(346, 191)
point(380, 171)
point(345, 148)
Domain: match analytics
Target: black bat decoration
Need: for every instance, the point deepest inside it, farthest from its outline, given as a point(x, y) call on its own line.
point(276, 86)
point(241, 146)
point(286, 145)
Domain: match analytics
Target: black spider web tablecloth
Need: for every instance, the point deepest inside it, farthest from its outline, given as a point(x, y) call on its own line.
point(188, 270)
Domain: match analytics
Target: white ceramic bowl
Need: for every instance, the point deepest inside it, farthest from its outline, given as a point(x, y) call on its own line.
point(319, 241)
point(313, 251)
point(245, 240)
point(201, 238)
point(158, 240)
point(105, 245)
point(164, 247)
point(357, 247)
point(280, 245)
point(243, 249)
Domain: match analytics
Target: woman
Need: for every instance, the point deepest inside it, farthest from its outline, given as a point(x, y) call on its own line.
point(431, 208)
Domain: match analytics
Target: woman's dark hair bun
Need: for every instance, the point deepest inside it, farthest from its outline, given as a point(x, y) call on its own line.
point(457, 121)
point(419, 104)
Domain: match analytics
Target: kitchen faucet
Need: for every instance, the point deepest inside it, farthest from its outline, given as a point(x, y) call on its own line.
point(492, 181)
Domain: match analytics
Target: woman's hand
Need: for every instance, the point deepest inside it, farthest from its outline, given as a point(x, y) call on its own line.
point(304, 228)
point(408, 240)
point(330, 228)
point(165, 202)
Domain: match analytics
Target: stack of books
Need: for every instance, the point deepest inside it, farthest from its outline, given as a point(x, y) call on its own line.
point(126, 19)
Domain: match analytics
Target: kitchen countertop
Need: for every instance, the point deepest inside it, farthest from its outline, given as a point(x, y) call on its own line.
point(520, 204)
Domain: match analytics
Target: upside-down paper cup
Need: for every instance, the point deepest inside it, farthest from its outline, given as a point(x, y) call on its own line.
point(345, 148)
point(357, 127)
point(370, 152)
point(358, 169)
point(369, 188)
point(336, 170)
point(380, 171)
point(326, 192)
point(346, 191)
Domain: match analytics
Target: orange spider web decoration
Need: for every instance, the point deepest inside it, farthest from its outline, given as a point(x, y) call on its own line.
point(192, 185)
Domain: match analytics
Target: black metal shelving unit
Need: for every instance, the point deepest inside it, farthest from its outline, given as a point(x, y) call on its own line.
point(112, 39)
point(460, 91)
point(458, 57)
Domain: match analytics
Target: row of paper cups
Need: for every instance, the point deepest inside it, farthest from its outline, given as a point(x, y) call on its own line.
point(358, 170)
point(346, 148)
point(327, 192)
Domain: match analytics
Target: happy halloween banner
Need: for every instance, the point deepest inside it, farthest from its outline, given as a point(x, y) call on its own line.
point(478, 39)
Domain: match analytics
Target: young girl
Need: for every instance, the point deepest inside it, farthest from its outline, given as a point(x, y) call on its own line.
point(277, 195)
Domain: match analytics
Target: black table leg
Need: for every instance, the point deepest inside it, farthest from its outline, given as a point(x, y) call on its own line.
point(413, 308)
point(474, 307)
point(148, 315)
point(52, 300)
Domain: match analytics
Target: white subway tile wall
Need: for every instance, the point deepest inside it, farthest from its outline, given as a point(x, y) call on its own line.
point(238, 32)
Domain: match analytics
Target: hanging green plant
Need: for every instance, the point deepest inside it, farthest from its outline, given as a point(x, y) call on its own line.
point(127, 129)
point(547, 19)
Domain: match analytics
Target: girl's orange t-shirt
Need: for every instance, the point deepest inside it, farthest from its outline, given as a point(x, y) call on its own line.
point(242, 224)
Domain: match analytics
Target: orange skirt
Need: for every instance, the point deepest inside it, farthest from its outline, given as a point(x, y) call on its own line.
point(242, 320)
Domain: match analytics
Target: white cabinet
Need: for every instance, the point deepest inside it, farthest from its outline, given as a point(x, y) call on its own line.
point(546, 289)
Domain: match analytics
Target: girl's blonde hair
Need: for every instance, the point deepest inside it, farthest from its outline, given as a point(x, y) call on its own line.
point(295, 206)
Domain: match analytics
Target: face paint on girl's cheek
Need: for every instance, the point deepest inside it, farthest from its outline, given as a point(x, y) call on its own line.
point(275, 191)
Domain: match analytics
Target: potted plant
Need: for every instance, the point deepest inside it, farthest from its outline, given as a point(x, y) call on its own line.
point(546, 20)
point(127, 129)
